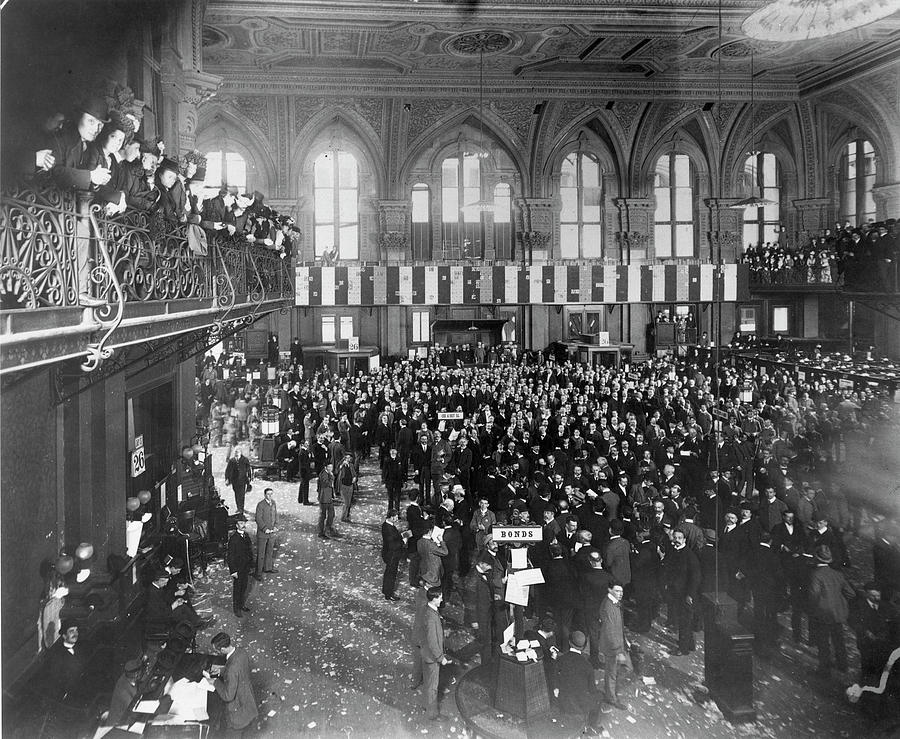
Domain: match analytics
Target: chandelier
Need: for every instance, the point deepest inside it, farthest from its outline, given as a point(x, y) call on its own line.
point(798, 20)
point(482, 205)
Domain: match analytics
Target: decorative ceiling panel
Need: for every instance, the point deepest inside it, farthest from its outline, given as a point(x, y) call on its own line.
point(427, 42)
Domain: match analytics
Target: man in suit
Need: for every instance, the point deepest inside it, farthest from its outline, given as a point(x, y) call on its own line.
point(217, 214)
point(240, 561)
point(789, 541)
point(428, 645)
point(617, 554)
point(871, 620)
point(681, 569)
point(595, 584)
point(393, 478)
point(393, 549)
point(415, 519)
point(406, 440)
point(575, 690)
point(305, 470)
point(238, 474)
point(829, 598)
point(65, 664)
point(420, 456)
point(613, 645)
point(234, 687)
point(266, 526)
point(326, 501)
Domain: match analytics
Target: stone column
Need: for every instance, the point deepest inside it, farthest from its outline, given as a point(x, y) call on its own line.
point(635, 227)
point(726, 229)
point(393, 229)
point(811, 216)
point(535, 226)
point(887, 200)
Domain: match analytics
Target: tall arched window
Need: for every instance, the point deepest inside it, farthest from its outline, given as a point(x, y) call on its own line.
point(857, 180)
point(581, 227)
point(503, 230)
point(460, 190)
point(336, 195)
point(762, 176)
point(674, 217)
point(421, 221)
point(224, 168)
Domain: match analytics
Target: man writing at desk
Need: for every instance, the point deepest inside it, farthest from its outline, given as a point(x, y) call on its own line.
point(233, 687)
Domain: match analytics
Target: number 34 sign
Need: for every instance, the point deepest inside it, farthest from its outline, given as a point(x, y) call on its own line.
point(138, 463)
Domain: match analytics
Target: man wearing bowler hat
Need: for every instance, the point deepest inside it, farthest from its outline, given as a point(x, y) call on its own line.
point(240, 561)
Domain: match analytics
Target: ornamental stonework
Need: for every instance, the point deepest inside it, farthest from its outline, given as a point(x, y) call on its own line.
point(255, 108)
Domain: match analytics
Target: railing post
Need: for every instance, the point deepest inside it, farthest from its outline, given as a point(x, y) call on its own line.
point(84, 242)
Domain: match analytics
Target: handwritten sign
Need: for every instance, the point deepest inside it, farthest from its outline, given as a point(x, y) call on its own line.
point(450, 416)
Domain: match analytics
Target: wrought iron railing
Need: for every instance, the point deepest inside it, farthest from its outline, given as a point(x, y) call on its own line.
point(55, 248)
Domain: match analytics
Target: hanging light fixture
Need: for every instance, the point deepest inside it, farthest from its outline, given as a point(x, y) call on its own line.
point(798, 20)
point(756, 200)
point(482, 204)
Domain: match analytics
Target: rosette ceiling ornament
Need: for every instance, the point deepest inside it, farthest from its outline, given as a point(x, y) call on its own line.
point(798, 20)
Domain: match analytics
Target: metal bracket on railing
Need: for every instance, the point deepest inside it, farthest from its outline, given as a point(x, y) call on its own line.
point(225, 292)
point(98, 351)
point(258, 297)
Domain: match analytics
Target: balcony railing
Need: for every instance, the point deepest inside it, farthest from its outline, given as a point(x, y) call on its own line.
point(55, 247)
point(797, 276)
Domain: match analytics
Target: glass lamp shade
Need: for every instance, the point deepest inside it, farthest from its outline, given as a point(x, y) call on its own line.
point(84, 551)
point(798, 20)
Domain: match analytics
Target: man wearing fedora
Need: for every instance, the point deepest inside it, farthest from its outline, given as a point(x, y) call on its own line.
point(70, 170)
point(829, 606)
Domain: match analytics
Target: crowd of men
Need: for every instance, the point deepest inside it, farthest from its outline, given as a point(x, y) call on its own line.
point(641, 481)
point(864, 258)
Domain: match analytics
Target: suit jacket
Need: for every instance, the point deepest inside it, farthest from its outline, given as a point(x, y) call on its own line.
point(829, 595)
point(240, 553)
point(612, 629)
point(64, 670)
point(158, 607)
point(561, 586)
point(236, 691)
point(391, 541)
point(68, 150)
point(326, 487)
point(430, 635)
point(574, 676)
point(594, 589)
point(430, 565)
point(617, 559)
point(266, 516)
point(681, 568)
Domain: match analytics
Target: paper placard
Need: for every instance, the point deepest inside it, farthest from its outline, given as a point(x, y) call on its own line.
point(519, 559)
point(516, 591)
point(450, 416)
point(138, 441)
point(516, 533)
point(533, 576)
point(801, 375)
point(509, 633)
point(603, 338)
point(353, 344)
point(845, 384)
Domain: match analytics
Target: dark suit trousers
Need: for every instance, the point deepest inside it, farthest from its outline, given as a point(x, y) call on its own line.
point(303, 492)
point(239, 589)
point(393, 491)
point(240, 491)
point(685, 623)
point(824, 636)
point(391, 568)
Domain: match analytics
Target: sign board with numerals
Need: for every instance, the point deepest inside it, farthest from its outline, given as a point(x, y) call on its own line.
point(138, 462)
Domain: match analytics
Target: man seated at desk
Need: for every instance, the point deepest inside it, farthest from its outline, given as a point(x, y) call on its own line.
point(165, 609)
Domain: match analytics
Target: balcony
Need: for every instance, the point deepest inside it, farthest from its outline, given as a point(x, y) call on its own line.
point(142, 281)
point(796, 279)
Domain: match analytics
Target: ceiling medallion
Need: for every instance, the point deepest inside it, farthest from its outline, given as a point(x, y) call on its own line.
point(475, 43)
point(799, 20)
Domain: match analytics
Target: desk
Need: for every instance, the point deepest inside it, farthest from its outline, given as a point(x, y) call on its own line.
point(594, 355)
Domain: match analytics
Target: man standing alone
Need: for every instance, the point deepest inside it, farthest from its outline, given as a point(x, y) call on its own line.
point(266, 523)
point(428, 644)
point(326, 501)
point(240, 560)
point(237, 474)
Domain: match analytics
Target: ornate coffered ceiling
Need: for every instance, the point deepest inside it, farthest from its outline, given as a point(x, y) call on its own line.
point(539, 47)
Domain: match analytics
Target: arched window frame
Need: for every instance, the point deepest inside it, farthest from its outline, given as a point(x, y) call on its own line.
point(762, 172)
point(581, 211)
point(504, 221)
point(420, 221)
point(224, 168)
point(675, 219)
point(462, 226)
point(857, 204)
point(344, 219)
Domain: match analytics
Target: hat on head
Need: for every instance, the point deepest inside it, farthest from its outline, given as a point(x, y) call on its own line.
point(149, 147)
point(96, 106)
point(577, 639)
point(133, 666)
point(823, 554)
point(240, 517)
point(872, 585)
point(710, 534)
point(167, 164)
point(66, 624)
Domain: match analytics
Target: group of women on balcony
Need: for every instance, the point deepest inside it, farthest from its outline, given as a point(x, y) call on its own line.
point(865, 258)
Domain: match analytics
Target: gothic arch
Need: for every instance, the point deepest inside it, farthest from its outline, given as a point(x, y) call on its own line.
point(683, 143)
point(221, 126)
point(772, 142)
point(361, 140)
point(870, 128)
point(609, 152)
point(442, 134)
